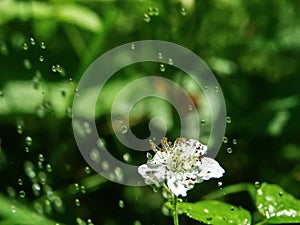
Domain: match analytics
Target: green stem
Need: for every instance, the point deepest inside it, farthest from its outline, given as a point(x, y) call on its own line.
point(175, 211)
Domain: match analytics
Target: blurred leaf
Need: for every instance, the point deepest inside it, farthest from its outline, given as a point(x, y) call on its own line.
point(277, 205)
point(278, 122)
point(214, 212)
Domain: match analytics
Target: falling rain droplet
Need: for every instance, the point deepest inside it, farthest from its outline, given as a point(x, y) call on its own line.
point(183, 11)
point(132, 46)
point(25, 46)
point(228, 119)
point(229, 150)
point(220, 184)
point(147, 18)
point(162, 68)
point(28, 141)
point(13, 209)
point(53, 68)
point(124, 129)
point(36, 189)
point(121, 204)
point(22, 194)
point(127, 157)
point(87, 170)
point(149, 155)
point(170, 61)
point(27, 64)
point(41, 58)
point(41, 158)
point(225, 140)
point(160, 55)
point(43, 45)
point(19, 129)
point(234, 141)
point(20, 181)
point(256, 184)
point(77, 202)
point(32, 41)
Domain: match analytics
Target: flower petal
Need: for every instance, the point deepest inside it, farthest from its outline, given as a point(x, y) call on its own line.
point(177, 187)
point(209, 168)
point(190, 147)
point(153, 174)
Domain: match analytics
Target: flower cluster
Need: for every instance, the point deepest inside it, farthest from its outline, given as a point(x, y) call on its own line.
point(182, 165)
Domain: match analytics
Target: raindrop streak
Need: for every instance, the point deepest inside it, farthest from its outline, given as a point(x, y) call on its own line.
point(228, 119)
point(121, 204)
point(147, 18)
point(225, 140)
point(162, 68)
point(28, 141)
point(229, 150)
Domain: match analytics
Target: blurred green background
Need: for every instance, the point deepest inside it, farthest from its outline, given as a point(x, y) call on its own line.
point(253, 48)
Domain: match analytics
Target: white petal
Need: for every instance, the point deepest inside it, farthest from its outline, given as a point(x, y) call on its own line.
point(159, 158)
point(190, 147)
point(177, 187)
point(210, 168)
point(153, 174)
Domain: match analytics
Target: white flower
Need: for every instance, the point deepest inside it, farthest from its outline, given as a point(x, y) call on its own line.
point(181, 165)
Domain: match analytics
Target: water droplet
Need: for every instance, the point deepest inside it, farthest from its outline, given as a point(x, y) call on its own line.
point(77, 202)
point(1, 94)
point(53, 68)
point(105, 165)
point(280, 193)
point(162, 67)
point(27, 64)
point(32, 41)
point(256, 184)
point(41, 58)
point(232, 209)
point(76, 186)
point(217, 88)
point(124, 129)
point(229, 150)
point(27, 149)
point(41, 158)
point(87, 170)
point(127, 157)
point(147, 18)
point(225, 140)
point(190, 108)
point(25, 46)
point(160, 55)
point(95, 155)
point(82, 189)
point(36, 189)
point(43, 45)
point(60, 70)
point(206, 210)
point(132, 46)
point(29, 169)
point(220, 184)
point(121, 204)
point(69, 112)
point(183, 11)
point(228, 119)
point(156, 11)
point(13, 209)
point(150, 11)
point(19, 129)
point(49, 168)
point(149, 155)
point(22, 194)
point(20, 181)
point(170, 61)
point(28, 141)
point(234, 141)
point(202, 122)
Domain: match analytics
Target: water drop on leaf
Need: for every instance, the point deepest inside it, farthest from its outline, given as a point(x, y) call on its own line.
point(27, 64)
point(183, 11)
point(147, 18)
point(256, 184)
point(32, 41)
point(121, 204)
point(43, 45)
point(228, 119)
point(25, 46)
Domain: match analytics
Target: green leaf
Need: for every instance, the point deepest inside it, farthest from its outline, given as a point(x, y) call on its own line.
point(277, 205)
point(214, 212)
